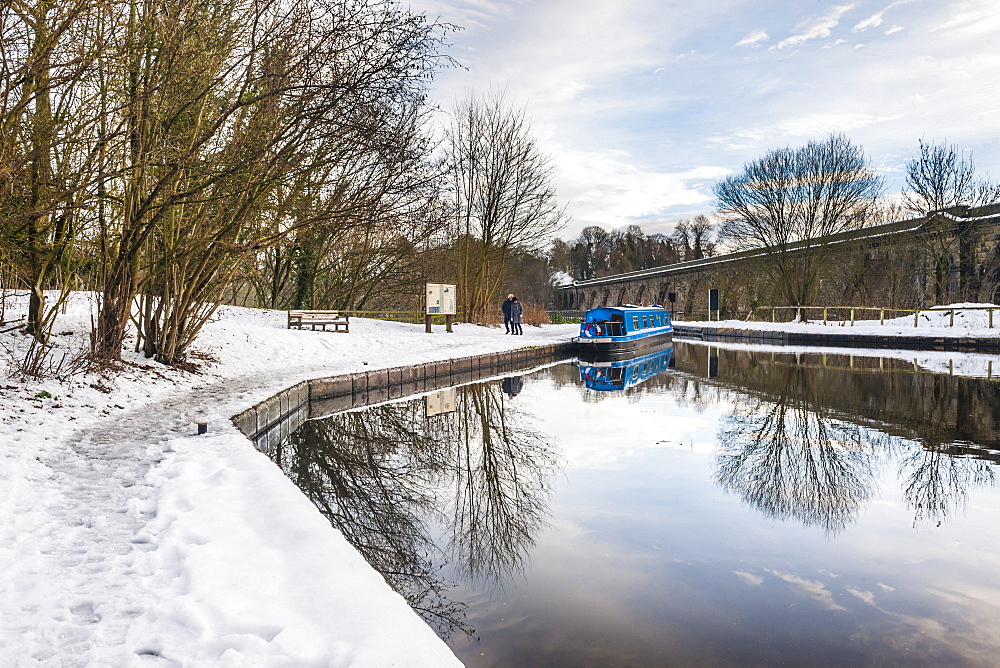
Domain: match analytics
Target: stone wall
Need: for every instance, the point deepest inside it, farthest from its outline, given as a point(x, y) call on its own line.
point(946, 257)
point(274, 419)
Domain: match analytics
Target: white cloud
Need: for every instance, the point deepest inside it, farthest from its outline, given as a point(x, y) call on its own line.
point(749, 578)
point(875, 20)
point(822, 123)
point(817, 591)
point(549, 54)
point(972, 18)
point(893, 30)
point(607, 189)
point(753, 39)
point(469, 14)
point(817, 28)
point(814, 125)
point(866, 596)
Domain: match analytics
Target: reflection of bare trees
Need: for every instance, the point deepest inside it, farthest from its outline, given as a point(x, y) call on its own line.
point(370, 473)
point(502, 477)
point(937, 484)
point(385, 475)
point(793, 462)
point(810, 429)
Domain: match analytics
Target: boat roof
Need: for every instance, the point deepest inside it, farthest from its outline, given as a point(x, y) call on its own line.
point(627, 308)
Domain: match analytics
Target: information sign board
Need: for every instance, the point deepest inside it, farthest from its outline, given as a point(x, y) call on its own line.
point(441, 299)
point(440, 402)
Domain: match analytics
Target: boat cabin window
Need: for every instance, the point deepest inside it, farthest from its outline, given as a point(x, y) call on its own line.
point(635, 322)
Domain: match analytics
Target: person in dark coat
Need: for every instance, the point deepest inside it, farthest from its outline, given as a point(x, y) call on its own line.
point(516, 311)
point(512, 386)
point(506, 313)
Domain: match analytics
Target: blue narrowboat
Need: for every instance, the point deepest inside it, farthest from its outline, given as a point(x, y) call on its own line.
point(623, 374)
point(618, 332)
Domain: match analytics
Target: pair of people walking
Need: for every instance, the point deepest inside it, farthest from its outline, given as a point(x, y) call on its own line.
point(513, 312)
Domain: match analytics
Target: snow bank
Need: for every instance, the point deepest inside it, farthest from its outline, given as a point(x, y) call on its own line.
point(125, 539)
point(970, 320)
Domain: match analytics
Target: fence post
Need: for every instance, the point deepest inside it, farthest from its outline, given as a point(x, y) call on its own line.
point(852, 316)
point(991, 318)
point(881, 316)
point(916, 318)
point(772, 315)
point(824, 315)
point(951, 318)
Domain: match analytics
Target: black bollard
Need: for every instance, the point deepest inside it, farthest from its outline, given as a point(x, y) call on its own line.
point(202, 426)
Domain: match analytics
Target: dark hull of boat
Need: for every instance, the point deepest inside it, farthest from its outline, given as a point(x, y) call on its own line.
point(612, 351)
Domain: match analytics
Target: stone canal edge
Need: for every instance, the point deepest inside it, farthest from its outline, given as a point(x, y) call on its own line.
point(880, 341)
point(324, 396)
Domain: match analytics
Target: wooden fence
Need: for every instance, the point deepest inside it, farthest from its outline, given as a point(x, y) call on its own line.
point(849, 314)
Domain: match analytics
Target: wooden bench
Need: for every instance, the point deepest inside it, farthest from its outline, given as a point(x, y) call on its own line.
point(300, 319)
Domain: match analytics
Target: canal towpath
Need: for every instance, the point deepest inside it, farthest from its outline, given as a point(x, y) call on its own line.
point(127, 539)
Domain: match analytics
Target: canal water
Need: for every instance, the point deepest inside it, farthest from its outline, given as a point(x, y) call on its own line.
point(704, 506)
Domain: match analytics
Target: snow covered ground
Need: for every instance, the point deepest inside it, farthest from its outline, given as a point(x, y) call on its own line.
point(934, 323)
point(125, 539)
point(970, 320)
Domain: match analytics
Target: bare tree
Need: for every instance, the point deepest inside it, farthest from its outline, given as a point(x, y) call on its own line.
point(940, 178)
point(504, 200)
point(694, 237)
point(162, 146)
point(290, 117)
point(790, 201)
point(944, 176)
point(592, 251)
point(47, 51)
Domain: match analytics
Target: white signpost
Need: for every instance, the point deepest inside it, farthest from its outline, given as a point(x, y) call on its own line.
point(441, 300)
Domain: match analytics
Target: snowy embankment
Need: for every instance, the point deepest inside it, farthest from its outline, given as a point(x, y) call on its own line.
point(970, 321)
point(125, 539)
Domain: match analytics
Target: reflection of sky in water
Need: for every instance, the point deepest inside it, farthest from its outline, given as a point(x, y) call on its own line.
point(647, 560)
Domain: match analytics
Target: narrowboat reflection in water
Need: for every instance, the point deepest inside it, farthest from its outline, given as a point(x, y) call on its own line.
point(623, 374)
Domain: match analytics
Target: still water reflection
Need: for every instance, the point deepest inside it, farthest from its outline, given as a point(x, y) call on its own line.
point(717, 506)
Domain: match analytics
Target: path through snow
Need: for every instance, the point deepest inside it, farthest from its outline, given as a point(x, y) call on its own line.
point(127, 540)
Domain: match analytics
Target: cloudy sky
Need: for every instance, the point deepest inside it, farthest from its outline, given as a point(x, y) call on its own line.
point(644, 104)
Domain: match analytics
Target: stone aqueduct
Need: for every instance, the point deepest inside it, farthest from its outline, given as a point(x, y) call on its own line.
point(969, 240)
